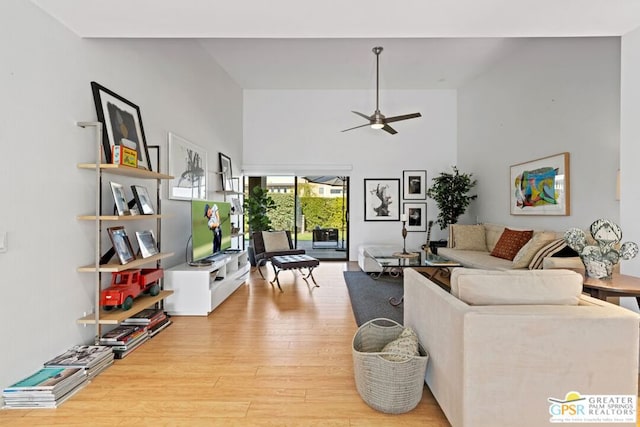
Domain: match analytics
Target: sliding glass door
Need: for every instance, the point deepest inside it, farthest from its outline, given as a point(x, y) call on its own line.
point(314, 209)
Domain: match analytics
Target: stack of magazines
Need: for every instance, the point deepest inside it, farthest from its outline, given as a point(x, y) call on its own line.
point(47, 388)
point(124, 339)
point(92, 358)
point(154, 319)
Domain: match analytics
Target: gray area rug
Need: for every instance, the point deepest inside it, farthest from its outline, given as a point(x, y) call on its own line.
point(370, 298)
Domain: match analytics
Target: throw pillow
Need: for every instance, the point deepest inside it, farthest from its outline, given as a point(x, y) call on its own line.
point(527, 252)
point(401, 348)
point(469, 237)
point(545, 251)
point(275, 241)
point(510, 242)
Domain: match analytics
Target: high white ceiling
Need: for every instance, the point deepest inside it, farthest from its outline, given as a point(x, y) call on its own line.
point(297, 44)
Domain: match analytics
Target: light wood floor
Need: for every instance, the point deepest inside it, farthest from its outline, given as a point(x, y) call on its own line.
point(263, 358)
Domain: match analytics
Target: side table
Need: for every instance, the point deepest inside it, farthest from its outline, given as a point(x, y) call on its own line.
point(620, 285)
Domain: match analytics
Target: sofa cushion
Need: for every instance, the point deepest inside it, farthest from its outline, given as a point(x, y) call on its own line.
point(406, 345)
point(275, 241)
point(469, 237)
point(516, 287)
point(475, 259)
point(510, 243)
point(527, 252)
point(545, 251)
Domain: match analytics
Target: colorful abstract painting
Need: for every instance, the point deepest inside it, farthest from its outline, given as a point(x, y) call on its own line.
point(541, 187)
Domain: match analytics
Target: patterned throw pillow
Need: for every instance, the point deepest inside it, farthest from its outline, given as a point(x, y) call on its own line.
point(510, 243)
point(548, 250)
point(404, 346)
point(528, 251)
point(469, 237)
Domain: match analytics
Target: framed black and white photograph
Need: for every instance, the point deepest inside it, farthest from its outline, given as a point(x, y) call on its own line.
point(147, 243)
point(414, 185)
point(226, 172)
point(121, 244)
point(188, 166)
point(122, 124)
point(143, 201)
point(416, 214)
point(381, 199)
point(120, 199)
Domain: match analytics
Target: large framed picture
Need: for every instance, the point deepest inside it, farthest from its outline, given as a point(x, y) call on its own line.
point(381, 199)
point(541, 186)
point(188, 165)
point(121, 244)
point(119, 198)
point(147, 243)
point(122, 124)
point(414, 185)
point(226, 172)
point(143, 201)
point(416, 214)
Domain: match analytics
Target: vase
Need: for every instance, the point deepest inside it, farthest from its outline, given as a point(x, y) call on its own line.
point(597, 268)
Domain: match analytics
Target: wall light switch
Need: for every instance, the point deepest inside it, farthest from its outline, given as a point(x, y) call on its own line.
point(3, 241)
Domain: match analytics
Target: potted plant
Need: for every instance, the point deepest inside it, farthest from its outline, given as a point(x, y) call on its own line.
point(257, 206)
point(451, 193)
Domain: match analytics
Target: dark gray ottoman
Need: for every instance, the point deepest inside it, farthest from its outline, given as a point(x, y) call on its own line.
point(294, 262)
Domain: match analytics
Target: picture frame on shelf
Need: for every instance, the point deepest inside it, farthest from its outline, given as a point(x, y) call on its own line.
point(414, 185)
point(122, 124)
point(120, 199)
point(236, 206)
point(235, 185)
point(416, 214)
point(147, 243)
point(188, 166)
point(121, 244)
point(143, 201)
point(381, 199)
point(226, 172)
point(541, 186)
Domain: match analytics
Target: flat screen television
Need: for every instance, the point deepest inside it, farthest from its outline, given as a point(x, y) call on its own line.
point(210, 228)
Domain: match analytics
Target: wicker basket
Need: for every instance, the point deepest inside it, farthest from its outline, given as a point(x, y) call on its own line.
point(391, 387)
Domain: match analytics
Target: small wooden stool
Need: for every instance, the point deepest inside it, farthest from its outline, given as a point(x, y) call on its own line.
point(294, 262)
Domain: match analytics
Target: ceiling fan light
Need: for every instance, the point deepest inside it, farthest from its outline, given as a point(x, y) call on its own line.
point(377, 125)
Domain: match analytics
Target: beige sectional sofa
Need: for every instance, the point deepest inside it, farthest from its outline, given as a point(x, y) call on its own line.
point(503, 343)
point(471, 246)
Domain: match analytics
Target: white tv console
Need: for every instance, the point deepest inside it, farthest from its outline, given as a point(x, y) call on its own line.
point(197, 291)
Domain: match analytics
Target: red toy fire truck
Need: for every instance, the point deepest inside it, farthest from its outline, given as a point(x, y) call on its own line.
point(127, 285)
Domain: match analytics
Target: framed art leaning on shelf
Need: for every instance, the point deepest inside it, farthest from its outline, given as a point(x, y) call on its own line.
point(147, 243)
point(119, 198)
point(143, 201)
point(122, 123)
point(121, 244)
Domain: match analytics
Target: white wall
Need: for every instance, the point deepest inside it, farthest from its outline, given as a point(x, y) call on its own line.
point(300, 129)
point(45, 73)
point(630, 150)
point(552, 96)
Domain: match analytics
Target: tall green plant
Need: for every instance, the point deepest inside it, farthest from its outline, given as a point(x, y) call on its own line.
point(257, 207)
point(451, 193)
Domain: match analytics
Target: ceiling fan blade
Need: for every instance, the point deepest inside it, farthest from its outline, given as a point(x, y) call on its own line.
point(404, 117)
point(361, 126)
point(362, 115)
point(389, 129)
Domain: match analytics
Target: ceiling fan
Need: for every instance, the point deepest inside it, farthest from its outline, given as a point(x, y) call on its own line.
point(377, 120)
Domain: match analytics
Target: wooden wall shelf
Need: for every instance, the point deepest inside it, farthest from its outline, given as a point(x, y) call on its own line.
point(117, 315)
